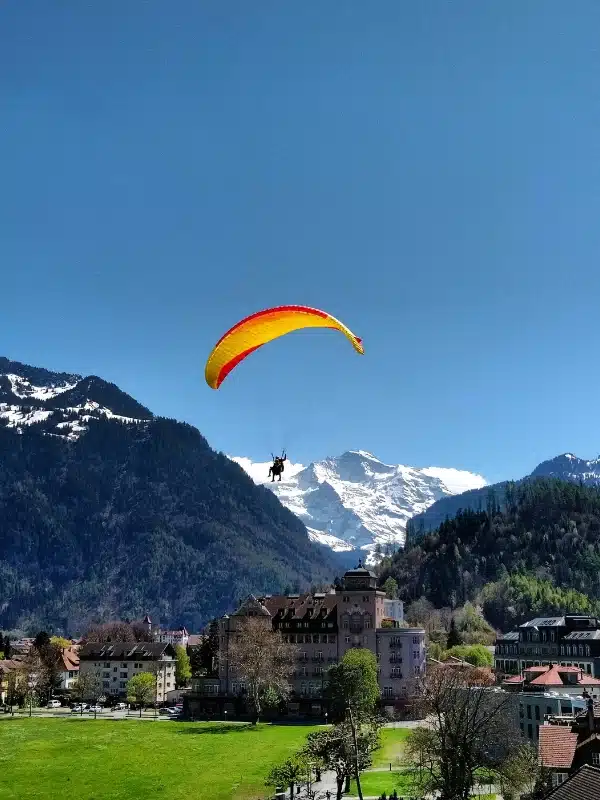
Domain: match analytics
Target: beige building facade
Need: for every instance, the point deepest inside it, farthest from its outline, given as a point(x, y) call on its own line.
point(114, 663)
point(323, 627)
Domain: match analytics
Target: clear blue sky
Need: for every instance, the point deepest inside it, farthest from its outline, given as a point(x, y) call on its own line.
point(427, 172)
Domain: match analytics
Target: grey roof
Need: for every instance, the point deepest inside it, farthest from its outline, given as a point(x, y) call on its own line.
point(513, 636)
point(125, 651)
point(583, 635)
point(543, 622)
point(583, 785)
point(360, 570)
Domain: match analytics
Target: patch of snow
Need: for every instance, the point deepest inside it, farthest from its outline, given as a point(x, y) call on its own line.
point(16, 416)
point(337, 545)
point(23, 389)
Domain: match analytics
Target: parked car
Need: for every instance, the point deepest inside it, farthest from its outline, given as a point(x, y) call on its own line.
point(95, 709)
point(54, 704)
point(170, 712)
point(78, 708)
point(120, 707)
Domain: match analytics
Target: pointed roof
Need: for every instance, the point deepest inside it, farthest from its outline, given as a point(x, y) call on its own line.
point(252, 607)
point(583, 785)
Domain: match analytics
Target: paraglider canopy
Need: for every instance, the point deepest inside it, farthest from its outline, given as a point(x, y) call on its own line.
point(256, 330)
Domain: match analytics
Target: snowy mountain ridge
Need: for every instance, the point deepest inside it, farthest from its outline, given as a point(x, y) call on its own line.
point(357, 501)
point(61, 404)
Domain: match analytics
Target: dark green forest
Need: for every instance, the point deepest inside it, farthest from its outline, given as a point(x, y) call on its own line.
point(539, 547)
point(140, 518)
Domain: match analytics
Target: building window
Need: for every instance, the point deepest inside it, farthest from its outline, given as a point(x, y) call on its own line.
point(530, 731)
point(529, 713)
point(415, 655)
point(107, 665)
point(123, 674)
point(365, 599)
point(537, 712)
point(596, 759)
point(347, 640)
point(387, 691)
point(587, 650)
point(346, 598)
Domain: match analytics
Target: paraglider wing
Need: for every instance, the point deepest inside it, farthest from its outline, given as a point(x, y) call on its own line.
point(251, 333)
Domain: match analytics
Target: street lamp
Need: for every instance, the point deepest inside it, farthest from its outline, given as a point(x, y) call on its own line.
point(31, 684)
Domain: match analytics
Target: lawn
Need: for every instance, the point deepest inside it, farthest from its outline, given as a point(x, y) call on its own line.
point(376, 783)
point(392, 747)
point(128, 760)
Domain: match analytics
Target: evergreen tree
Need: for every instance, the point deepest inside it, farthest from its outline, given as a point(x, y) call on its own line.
point(454, 637)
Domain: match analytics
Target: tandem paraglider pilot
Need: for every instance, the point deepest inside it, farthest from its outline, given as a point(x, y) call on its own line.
point(277, 467)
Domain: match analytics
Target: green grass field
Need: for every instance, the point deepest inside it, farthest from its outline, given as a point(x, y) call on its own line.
point(392, 747)
point(128, 760)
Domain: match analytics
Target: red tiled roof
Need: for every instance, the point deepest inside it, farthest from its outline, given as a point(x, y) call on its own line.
point(553, 677)
point(514, 679)
point(70, 659)
point(557, 746)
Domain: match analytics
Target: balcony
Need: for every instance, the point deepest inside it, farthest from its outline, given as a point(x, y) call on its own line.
point(318, 659)
point(395, 645)
point(395, 659)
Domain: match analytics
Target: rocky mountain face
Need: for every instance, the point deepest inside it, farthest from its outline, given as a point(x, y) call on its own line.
point(355, 501)
point(107, 511)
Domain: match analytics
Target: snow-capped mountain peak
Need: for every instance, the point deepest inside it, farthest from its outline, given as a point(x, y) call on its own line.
point(60, 404)
point(356, 500)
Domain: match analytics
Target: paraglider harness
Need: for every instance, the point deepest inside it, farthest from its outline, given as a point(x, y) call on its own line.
point(277, 467)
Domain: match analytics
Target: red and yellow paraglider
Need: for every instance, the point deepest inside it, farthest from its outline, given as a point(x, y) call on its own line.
point(252, 332)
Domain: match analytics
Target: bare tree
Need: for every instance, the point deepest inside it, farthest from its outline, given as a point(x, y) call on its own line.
point(472, 726)
point(258, 656)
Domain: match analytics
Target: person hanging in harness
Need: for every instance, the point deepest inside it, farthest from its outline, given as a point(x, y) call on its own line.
point(276, 468)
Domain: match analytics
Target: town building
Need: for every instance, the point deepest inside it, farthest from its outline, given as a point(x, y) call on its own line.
point(114, 663)
point(323, 627)
point(11, 671)
point(582, 785)
point(565, 750)
point(179, 637)
point(570, 640)
point(70, 667)
point(550, 690)
point(393, 610)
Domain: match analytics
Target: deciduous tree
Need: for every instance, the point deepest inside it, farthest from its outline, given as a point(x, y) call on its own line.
point(472, 726)
point(336, 749)
point(183, 670)
point(258, 656)
point(293, 772)
point(141, 689)
point(353, 684)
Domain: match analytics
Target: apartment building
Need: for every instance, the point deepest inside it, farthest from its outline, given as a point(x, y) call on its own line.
point(114, 663)
point(323, 627)
point(572, 640)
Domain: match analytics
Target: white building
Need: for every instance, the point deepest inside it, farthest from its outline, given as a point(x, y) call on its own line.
point(393, 609)
point(536, 708)
point(114, 663)
point(180, 637)
point(70, 667)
